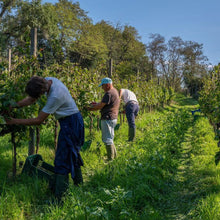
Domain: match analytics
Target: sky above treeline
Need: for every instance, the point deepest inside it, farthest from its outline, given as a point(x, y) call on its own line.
point(192, 20)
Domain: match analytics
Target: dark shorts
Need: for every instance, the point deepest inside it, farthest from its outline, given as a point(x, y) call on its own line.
point(70, 141)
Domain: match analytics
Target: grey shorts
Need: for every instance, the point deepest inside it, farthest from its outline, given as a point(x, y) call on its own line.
point(107, 127)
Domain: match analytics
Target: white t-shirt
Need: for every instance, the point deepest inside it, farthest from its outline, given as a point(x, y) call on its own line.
point(128, 95)
point(59, 101)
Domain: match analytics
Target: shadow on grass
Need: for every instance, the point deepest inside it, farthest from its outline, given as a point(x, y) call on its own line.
point(183, 101)
point(153, 179)
point(147, 169)
point(193, 186)
point(192, 190)
point(170, 108)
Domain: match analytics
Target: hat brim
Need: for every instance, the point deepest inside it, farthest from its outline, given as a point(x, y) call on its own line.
point(100, 84)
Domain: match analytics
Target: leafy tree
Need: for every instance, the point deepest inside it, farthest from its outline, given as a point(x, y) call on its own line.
point(89, 48)
point(194, 67)
point(112, 37)
point(5, 10)
point(177, 62)
point(58, 26)
point(71, 21)
point(5, 6)
point(132, 48)
point(156, 48)
point(171, 65)
point(130, 54)
point(16, 27)
point(209, 98)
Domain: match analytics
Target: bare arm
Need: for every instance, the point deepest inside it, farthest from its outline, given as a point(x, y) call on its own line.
point(26, 101)
point(30, 121)
point(120, 93)
point(97, 106)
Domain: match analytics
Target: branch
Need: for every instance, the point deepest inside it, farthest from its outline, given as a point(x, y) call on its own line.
point(5, 6)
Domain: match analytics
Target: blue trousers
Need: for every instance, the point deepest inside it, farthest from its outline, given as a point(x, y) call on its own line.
point(70, 141)
point(131, 111)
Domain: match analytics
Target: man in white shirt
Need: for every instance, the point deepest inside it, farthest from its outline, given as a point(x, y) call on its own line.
point(71, 135)
point(131, 110)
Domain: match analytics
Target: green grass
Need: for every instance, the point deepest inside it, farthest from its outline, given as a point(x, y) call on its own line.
point(168, 172)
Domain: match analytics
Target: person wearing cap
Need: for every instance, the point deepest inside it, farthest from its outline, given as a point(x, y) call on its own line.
point(71, 134)
point(131, 110)
point(109, 107)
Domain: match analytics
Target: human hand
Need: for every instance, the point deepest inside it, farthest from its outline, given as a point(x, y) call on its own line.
point(88, 108)
point(93, 103)
point(91, 106)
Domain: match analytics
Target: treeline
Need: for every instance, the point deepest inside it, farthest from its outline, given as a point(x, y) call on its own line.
point(67, 34)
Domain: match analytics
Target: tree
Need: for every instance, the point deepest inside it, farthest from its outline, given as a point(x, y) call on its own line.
point(131, 48)
point(177, 62)
point(156, 49)
point(113, 39)
point(89, 48)
point(71, 21)
point(123, 47)
point(58, 26)
point(171, 63)
point(194, 66)
point(16, 27)
point(5, 6)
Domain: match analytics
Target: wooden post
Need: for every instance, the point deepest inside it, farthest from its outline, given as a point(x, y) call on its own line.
point(34, 42)
point(37, 139)
point(110, 68)
point(31, 149)
point(9, 59)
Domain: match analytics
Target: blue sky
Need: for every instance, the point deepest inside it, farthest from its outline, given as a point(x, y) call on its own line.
point(194, 20)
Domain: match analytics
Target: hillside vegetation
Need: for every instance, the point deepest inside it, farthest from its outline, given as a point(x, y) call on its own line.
point(168, 172)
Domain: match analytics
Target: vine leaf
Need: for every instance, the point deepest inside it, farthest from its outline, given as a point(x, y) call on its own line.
point(2, 120)
point(217, 158)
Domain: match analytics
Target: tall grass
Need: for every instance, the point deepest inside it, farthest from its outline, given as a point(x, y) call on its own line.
point(168, 172)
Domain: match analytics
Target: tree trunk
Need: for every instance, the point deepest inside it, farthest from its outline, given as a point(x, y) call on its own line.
point(9, 60)
point(31, 149)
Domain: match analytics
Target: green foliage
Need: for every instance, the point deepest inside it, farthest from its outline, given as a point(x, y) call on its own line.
point(82, 84)
point(168, 171)
point(204, 170)
point(209, 98)
point(12, 90)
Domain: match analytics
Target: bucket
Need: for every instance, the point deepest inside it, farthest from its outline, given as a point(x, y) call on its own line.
point(36, 167)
